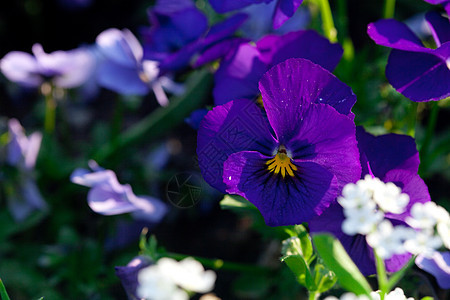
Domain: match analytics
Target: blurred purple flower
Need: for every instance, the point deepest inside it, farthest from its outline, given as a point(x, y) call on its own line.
point(21, 153)
point(392, 158)
point(418, 73)
point(125, 71)
point(438, 266)
point(65, 69)
point(283, 11)
point(108, 197)
point(128, 275)
point(292, 161)
point(444, 3)
point(257, 26)
point(241, 68)
point(179, 31)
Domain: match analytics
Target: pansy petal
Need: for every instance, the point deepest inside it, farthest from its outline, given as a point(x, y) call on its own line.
point(438, 265)
point(284, 10)
point(235, 126)
point(223, 6)
point(121, 46)
point(106, 201)
point(394, 34)
point(21, 67)
point(290, 87)
point(327, 138)
point(306, 44)
point(121, 79)
point(224, 29)
point(412, 185)
point(386, 152)
point(419, 76)
point(439, 26)
point(281, 201)
point(219, 50)
point(237, 77)
point(128, 274)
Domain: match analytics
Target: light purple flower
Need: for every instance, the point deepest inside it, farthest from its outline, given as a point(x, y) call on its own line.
point(65, 69)
point(21, 153)
point(417, 72)
point(438, 266)
point(124, 69)
point(108, 197)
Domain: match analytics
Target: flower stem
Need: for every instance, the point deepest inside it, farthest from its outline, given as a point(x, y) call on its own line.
point(313, 295)
point(218, 264)
point(400, 273)
point(381, 275)
point(50, 107)
point(327, 19)
point(412, 119)
point(389, 9)
point(3, 293)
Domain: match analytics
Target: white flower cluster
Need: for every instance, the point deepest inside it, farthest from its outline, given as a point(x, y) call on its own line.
point(396, 294)
point(365, 204)
point(170, 279)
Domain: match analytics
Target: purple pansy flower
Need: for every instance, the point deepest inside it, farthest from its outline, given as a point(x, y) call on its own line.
point(392, 158)
point(125, 71)
point(21, 153)
point(65, 69)
point(292, 160)
point(438, 265)
point(283, 11)
point(128, 275)
point(179, 30)
point(417, 72)
point(108, 197)
point(240, 70)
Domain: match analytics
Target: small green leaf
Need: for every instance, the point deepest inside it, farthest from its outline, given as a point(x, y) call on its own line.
point(336, 259)
point(301, 271)
point(236, 202)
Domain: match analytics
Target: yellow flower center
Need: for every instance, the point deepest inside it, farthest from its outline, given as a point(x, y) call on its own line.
point(281, 163)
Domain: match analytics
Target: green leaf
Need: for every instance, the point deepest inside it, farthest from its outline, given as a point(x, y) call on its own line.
point(336, 259)
point(301, 271)
point(235, 202)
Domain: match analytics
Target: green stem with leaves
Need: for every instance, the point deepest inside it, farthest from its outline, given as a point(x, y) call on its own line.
point(3, 293)
point(381, 275)
point(327, 19)
point(388, 9)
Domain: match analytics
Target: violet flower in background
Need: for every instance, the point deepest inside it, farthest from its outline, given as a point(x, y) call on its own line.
point(125, 71)
point(23, 195)
point(179, 30)
point(418, 73)
point(257, 26)
point(241, 69)
point(108, 197)
point(283, 11)
point(128, 275)
point(64, 69)
point(392, 158)
point(438, 266)
point(291, 163)
point(444, 3)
